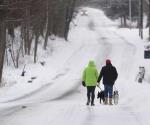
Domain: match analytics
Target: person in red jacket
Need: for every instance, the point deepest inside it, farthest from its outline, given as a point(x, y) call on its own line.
point(109, 75)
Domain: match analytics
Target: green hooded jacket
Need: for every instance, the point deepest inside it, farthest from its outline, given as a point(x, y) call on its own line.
point(90, 74)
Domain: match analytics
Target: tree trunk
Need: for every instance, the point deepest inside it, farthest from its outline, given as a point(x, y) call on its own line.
point(121, 20)
point(149, 20)
point(36, 46)
point(125, 21)
point(69, 15)
point(47, 26)
point(67, 24)
point(2, 45)
point(46, 39)
point(141, 19)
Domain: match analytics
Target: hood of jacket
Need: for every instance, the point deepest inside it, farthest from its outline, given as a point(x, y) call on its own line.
point(91, 63)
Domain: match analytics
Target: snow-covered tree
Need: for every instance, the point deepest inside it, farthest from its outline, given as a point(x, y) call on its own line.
point(34, 18)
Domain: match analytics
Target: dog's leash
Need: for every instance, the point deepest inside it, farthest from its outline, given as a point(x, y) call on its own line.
point(99, 87)
point(115, 88)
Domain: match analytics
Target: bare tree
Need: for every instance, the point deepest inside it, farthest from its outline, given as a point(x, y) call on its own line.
point(2, 39)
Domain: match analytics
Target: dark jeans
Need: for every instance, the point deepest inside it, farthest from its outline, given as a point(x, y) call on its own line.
point(91, 93)
point(108, 90)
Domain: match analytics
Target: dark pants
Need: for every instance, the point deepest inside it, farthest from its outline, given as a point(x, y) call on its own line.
point(91, 93)
point(108, 90)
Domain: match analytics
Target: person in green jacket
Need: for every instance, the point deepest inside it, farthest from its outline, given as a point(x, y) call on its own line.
point(90, 76)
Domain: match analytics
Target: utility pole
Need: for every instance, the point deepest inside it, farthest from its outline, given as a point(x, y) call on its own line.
point(130, 12)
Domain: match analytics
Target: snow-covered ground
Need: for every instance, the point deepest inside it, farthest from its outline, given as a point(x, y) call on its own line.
point(57, 97)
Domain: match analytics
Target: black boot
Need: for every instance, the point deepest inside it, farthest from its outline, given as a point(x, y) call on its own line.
point(88, 102)
point(92, 104)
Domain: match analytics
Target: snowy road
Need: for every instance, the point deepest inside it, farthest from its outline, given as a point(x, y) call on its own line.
point(62, 101)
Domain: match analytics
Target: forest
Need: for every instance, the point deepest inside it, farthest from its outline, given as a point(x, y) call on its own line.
point(34, 18)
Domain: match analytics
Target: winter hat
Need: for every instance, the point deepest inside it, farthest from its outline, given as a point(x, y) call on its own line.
point(108, 62)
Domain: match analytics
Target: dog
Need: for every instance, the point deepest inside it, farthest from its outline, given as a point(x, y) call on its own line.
point(101, 96)
point(116, 97)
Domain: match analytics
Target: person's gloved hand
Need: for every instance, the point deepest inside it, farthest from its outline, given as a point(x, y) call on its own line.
point(83, 83)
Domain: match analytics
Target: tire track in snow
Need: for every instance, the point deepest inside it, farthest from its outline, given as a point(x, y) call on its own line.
point(9, 111)
point(132, 113)
point(67, 93)
point(111, 115)
point(29, 94)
